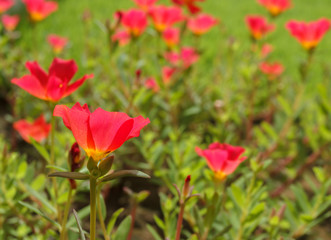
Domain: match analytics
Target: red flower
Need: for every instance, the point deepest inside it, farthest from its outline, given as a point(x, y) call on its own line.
point(100, 132)
point(275, 7)
point(151, 83)
point(54, 85)
point(190, 4)
point(201, 24)
point(38, 130)
point(57, 42)
point(164, 17)
point(308, 34)
point(167, 73)
point(10, 22)
point(171, 37)
point(122, 36)
point(273, 70)
point(5, 5)
point(266, 50)
point(145, 4)
point(185, 58)
point(223, 159)
point(258, 26)
point(135, 21)
point(40, 9)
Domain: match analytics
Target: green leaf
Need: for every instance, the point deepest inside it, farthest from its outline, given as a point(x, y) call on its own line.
point(41, 149)
point(60, 169)
point(84, 212)
point(154, 233)
point(71, 175)
point(285, 105)
point(123, 229)
point(40, 213)
point(103, 206)
point(159, 222)
point(113, 219)
point(238, 196)
point(320, 174)
point(124, 173)
point(39, 182)
point(41, 198)
point(21, 170)
point(81, 232)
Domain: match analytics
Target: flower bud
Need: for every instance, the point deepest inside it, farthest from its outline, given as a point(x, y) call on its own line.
point(74, 158)
point(186, 187)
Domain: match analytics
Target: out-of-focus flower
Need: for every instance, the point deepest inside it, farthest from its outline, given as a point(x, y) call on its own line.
point(151, 83)
point(223, 159)
point(10, 22)
point(309, 34)
point(37, 130)
point(40, 9)
point(272, 70)
point(190, 4)
point(100, 132)
point(164, 17)
point(75, 162)
point(57, 42)
point(145, 4)
point(122, 37)
point(275, 7)
point(171, 37)
point(135, 21)
point(167, 73)
point(186, 57)
point(266, 50)
point(5, 5)
point(201, 24)
point(258, 26)
point(54, 85)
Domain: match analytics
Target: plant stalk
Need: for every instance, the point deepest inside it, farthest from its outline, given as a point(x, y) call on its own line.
point(180, 221)
point(93, 196)
point(63, 235)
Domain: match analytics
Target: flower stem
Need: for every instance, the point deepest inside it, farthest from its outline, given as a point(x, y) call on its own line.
point(180, 221)
point(93, 185)
point(65, 216)
point(133, 218)
point(102, 223)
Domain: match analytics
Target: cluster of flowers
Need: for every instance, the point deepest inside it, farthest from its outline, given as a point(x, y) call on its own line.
point(308, 34)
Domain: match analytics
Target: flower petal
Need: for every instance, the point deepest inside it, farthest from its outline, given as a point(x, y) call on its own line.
point(38, 72)
point(73, 87)
point(63, 69)
point(32, 85)
point(55, 88)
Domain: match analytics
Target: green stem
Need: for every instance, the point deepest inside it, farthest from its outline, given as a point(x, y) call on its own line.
point(65, 216)
point(102, 223)
point(180, 220)
point(93, 197)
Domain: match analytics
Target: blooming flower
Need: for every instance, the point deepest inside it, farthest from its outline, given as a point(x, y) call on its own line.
point(5, 5)
point(272, 70)
point(190, 4)
point(275, 7)
point(100, 132)
point(10, 22)
point(54, 85)
point(57, 42)
point(164, 17)
point(309, 34)
point(223, 159)
point(37, 130)
point(135, 21)
point(258, 26)
point(171, 37)
point(151, 83)
point(185, 58)
point(40, 9)
point(122, 37)
point(145, 4)
point(167, 73)
point(201, 24)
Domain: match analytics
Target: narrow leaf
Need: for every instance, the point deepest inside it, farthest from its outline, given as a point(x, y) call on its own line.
point(81, 232)
point(71, 175)
point(124, 173)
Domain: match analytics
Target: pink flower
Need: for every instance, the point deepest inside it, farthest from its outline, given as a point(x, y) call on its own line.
point(171, 37)
point(272, 70)
point(190, 4)
point(266, 50)
point(223, 159)
point(37, 130)
point(122, 37)
point(5, 5)
point(164, 17)
point(258, 26)
point(40, 9)
point(151, 83)
point(10, 22)
point(275, 7)
point(167, 73)
point(309, 34)
point(57, 42)
point(145, 5)
point(185, 58)
point(54, 85)
point(201, 24)
point(135, 21)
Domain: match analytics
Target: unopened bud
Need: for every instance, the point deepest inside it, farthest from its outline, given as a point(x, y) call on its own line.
point(74, 158)
point(186, 188)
